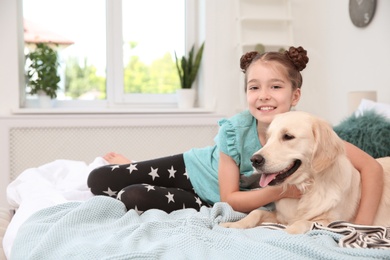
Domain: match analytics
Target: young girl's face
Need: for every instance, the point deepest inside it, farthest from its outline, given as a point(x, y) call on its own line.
point(269, 91)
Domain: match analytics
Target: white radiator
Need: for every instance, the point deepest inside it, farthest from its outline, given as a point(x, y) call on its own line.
point(31, 142)
point(34, 146)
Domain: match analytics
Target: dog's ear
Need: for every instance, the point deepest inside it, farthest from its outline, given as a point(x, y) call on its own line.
point(327, 146)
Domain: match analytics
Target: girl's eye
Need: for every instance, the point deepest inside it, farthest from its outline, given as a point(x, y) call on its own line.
point(252, 87)
point(276, 87)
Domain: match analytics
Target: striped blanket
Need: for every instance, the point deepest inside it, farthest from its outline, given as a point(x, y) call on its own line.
point(101, 228)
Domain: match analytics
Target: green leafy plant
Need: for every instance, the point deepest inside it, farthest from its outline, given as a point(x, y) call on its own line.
point(187, 67)
point(41, 73)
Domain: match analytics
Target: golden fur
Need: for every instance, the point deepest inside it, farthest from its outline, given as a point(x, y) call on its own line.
point(330, 185)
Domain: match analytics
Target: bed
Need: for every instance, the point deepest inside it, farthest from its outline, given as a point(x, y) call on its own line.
point(58, 218)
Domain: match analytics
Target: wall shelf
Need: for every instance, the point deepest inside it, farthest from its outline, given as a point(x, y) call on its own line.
point(266, 22)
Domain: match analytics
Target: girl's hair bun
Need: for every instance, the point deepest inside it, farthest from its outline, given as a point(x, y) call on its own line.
point(298, 57)
point(247, 59)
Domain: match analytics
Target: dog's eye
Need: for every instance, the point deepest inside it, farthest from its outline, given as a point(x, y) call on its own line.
point(287, 137)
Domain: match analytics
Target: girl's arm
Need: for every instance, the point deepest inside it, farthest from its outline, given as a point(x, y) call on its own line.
point(246, 201)
point(371, 173)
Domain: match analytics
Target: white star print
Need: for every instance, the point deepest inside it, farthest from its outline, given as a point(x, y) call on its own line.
point(137, 210)
point(185, 174)
point(119, 197)
point(197, 200)
point(110, 193)
point(153, 173)
point(170, 197)
point(172, 172)
point(114, 167)
point(132, 167)
point(149, 187)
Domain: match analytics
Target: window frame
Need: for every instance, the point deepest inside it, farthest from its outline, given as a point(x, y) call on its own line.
point(116, 98)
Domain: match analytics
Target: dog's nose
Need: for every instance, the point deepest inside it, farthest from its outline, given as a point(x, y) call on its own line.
point(257, 160)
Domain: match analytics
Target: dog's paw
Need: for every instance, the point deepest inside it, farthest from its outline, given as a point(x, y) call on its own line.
point(299, 227)
point(242, 224)
point(227, 224)
point(293, 230)
point(231, 225)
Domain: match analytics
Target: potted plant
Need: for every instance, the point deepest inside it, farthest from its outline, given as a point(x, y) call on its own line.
point(41, 71)
point(187, 68)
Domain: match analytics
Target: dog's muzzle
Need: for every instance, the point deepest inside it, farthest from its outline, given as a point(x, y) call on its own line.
point(273, 178)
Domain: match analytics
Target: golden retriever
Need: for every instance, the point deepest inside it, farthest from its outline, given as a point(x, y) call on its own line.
point(303, 150)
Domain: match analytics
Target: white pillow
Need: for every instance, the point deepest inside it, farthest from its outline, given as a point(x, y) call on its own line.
point(380, 108)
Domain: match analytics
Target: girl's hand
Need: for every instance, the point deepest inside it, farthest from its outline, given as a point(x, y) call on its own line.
point(292, 192)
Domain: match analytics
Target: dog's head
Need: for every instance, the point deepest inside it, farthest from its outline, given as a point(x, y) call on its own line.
point(298, 146)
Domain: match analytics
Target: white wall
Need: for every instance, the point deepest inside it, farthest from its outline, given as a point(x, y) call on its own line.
point(9, 72)
point(343, 58)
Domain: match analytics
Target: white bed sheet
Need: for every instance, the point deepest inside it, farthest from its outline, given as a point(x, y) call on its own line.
point(57, 182)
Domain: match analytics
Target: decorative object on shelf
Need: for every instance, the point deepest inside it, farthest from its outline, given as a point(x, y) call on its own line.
point(187, 69)
point(361, 12)
point(41, 73)
point(260, 48)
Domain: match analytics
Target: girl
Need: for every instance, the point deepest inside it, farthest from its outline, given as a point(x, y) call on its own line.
point(223, 172)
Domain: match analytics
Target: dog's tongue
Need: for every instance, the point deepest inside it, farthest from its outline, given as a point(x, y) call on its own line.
point(266, 178)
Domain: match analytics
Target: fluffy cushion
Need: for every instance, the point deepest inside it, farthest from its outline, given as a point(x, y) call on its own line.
point(370, 132)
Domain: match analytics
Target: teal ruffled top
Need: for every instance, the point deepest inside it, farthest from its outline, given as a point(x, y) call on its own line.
point(237, 137)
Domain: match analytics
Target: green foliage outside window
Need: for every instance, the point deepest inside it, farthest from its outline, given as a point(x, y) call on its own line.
point(160, 77)
point(157, 78)
point(83, 79)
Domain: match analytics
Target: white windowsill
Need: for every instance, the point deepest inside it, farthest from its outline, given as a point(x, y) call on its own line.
point(117, 116)
point(45, 111)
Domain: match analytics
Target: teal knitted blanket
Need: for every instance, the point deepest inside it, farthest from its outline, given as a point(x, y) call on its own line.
point(101, 228)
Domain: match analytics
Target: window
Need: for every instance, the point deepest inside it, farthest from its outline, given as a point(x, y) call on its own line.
point(111, 52)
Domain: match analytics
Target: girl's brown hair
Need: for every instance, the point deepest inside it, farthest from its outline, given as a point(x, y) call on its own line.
point(294, 60)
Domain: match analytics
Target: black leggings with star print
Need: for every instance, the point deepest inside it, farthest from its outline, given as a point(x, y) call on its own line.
point(159, 184)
